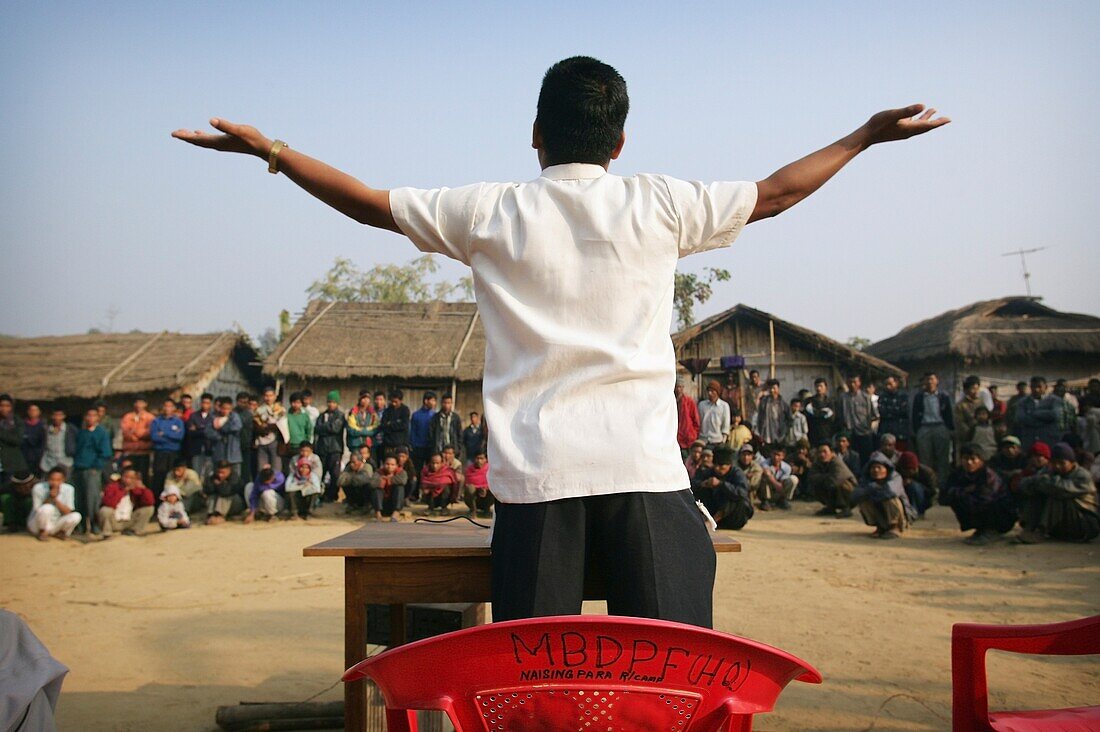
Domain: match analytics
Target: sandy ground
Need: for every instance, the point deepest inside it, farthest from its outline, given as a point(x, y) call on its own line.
point(160, 631)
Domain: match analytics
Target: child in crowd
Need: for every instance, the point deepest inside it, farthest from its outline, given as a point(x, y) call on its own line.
point(798, 428)
point(984, 435)
point(778, 482)
point(476, 486)
point(298, 423)
point(305, 452)
point(740, 434)
point(437, 482)
point(171, 513)
point(300, 488)
point(694, 459)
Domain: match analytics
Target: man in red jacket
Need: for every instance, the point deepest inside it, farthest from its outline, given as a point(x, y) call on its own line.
point(687, 420)
point(127, 505)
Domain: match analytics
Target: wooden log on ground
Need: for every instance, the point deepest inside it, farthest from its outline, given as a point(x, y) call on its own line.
point(281, 716)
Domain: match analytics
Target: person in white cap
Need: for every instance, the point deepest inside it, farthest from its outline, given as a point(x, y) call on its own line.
point(171, 513)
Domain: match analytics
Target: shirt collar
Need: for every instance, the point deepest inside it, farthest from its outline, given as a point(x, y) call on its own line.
point(574, 171)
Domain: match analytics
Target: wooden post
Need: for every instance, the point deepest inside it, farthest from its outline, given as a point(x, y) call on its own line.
point(743, 380)
point(355, 643)
point(771, 352)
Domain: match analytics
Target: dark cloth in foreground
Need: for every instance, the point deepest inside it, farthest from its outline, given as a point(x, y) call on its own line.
point(652, 550)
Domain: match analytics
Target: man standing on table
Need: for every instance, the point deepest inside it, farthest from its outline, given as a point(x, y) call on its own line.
point(573, 274)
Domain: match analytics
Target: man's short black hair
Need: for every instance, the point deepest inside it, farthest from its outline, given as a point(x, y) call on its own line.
point(206, 395)
point(223, 400)
point(243, 395)
point(820, 380)
point(581, 111)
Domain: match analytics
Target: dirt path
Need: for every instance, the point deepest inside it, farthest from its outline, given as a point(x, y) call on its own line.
point(159, 631)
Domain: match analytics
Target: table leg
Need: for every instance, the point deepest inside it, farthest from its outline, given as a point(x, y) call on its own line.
point(355, 644)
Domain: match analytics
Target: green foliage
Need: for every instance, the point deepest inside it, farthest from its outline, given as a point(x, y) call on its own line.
point(409, 282)
point(691, 288)
point(859, 343)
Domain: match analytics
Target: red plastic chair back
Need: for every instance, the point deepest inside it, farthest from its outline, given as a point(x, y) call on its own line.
point(586, 672)
point(970, 696)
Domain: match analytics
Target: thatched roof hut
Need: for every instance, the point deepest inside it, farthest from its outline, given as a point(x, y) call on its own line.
point(412, 346)
point(792, 353)
point(118, 366)
point(1003, 340)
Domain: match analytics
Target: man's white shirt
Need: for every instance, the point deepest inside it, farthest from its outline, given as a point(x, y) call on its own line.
point(573, 274)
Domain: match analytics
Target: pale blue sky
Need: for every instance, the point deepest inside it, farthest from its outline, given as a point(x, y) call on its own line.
point(99, 207)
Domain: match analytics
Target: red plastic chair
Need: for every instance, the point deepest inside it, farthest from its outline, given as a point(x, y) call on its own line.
point(970, 698)
point(587, 672)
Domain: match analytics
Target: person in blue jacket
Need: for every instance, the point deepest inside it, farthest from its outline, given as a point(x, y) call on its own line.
point(167, 432)
point(420, 431)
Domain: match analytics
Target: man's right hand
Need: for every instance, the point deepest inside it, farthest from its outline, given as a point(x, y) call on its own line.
point(237, 138)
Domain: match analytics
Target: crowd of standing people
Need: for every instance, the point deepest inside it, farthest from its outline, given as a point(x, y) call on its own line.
point(890, 455)
point(249, 457)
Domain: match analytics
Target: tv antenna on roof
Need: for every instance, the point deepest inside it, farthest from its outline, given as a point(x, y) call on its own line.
point(1023, 262)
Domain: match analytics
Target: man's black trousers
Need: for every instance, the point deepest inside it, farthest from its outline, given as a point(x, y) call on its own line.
point(653, 552)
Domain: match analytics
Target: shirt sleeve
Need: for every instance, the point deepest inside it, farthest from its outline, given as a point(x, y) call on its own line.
point(438, 221)
point(710, 216)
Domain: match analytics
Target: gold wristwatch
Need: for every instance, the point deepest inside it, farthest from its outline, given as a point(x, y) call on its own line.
point(273, 156)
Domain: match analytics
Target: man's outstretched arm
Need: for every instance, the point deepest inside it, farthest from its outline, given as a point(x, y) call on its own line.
point(791, 183)
point(344, 193)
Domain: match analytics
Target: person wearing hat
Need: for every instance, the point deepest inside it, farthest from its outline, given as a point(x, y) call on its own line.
point(753, 471)
point(881, 498)
point(831, 482)
point(920, 482)
point(714, 417)
point(778, 483)
point(328, 433)
point(171, 513)
point(687, 419)
point(1059, 503)
point(1009, 460)
point(16, 501)
point(981, 502)
point(723, 491)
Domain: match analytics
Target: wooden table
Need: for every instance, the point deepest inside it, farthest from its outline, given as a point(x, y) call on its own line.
point(402, 563)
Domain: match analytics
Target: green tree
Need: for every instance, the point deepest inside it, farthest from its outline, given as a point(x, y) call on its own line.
point(409, 282)
point(693, 288)
point(858, 342)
